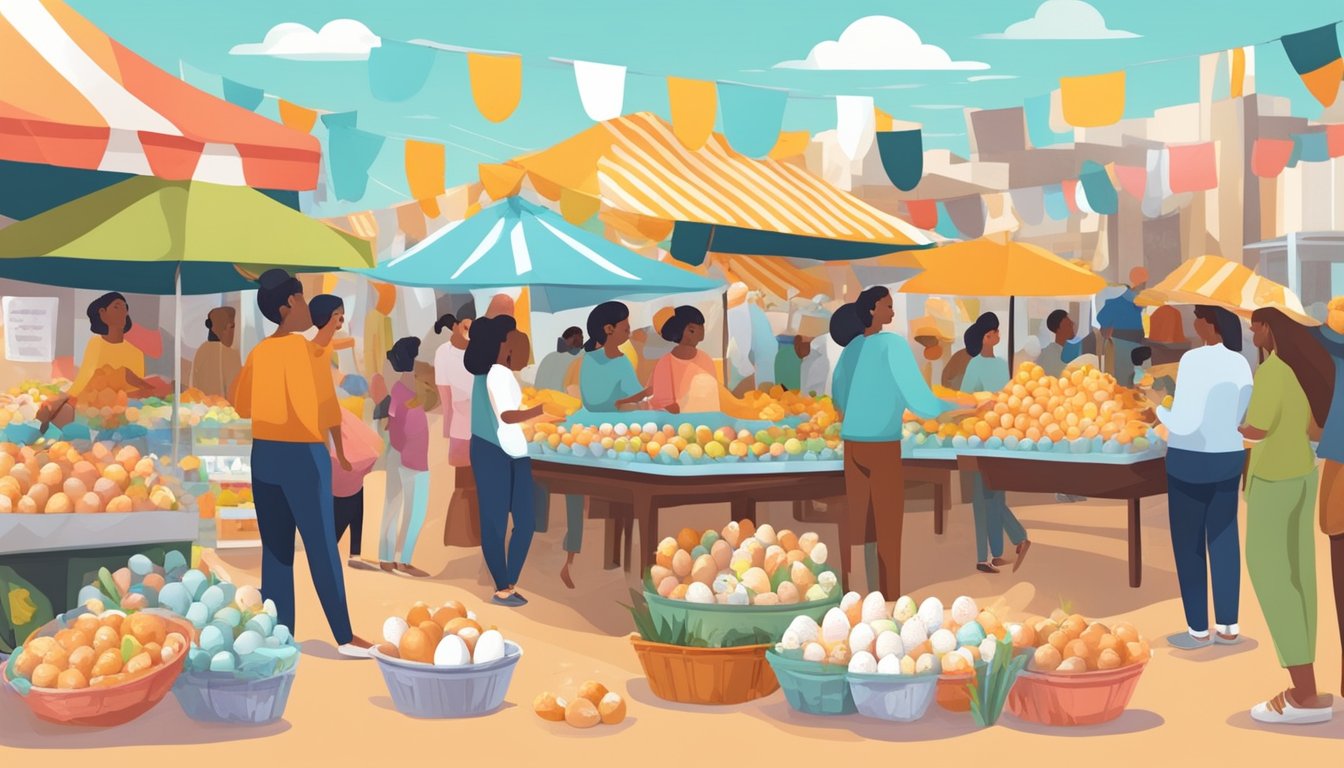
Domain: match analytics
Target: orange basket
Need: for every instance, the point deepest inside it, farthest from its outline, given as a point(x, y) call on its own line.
point(953, 692)
point(1086, 698)
point(103, 707)
point(705, 675)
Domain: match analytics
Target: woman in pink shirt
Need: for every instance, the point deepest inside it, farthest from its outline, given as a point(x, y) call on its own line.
point(462, 525)
point(407, 465)
point(685, 381)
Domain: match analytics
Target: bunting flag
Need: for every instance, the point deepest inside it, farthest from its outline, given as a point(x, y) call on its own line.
point(578, 208)
point(1311, 147)
point(502, 180)
point(1132, 179)
point(692, 104)
point(426, 167)
point(855, 120)
point(411, 223)
point(922, 213)
point(1000, 216)
point(351, 153)
point(751, 117)
point(790, 144)
point(1194, 167)
point(1334, 140)
point(1068, 189)
point(1039, 129)
point(601, 89)
point(244, 96)
point(1315, 57)
point(1055, 206)
point(1237, 79)
point(1029, 204)
point(398, 71)
point(296, 117)
point(883, 121)
point(902, 154)
point(944, 225)
point(968, 215)
point(1097, 189)
point(1093, 101)
point(496, 84)
point(1057, 122)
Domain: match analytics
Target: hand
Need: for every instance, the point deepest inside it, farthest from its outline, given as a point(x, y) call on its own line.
point(673, 408)
point(984, 406)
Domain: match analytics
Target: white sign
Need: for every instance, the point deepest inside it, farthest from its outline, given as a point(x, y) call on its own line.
point(30, 329)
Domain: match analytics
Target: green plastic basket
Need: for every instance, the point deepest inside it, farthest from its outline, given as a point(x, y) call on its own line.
point(810, 687)
point(729, 626)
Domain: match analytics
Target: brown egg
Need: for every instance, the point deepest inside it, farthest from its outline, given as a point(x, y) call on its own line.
point(593, 691)
point(44, 676)
point(117, 474)
point(432, 630)
point(418, 613)
point(1073, 626)
point(89, 503)
point(1136, 653)
point(154, 581)
point(108, 663)
point(141, 662)
point(40, 494)
point(6, 505)
point(1108, 659)
point(582, 713)
point(25, 663)
point(456, 607)
point(1077, 648)
point(113, 620)
point(120, 504)
point(469, 635)
point(612, 709)
point(22, 476)
point(50, 475)
point(74, 487)
point(688, 539)
point(59, 504)
point(71, 638)
point(38, 646)
point(84, 472)
point(143, 468)
point(26, 506)
point(57, 657)
point(746, 529)
point(548, 707)
point(175, 640)
point(1058, 639)
point(389, 650)
point(442, 616)
point(682, 564)
point(456, 626)
point(1127, 633)
point(415, 646)
point(86, 623)
point(106, 489)
point(1072, 666)
point(1046, 658)
point(1110, 642)
point(154, 650)
point(147, 628)
point(72, 679)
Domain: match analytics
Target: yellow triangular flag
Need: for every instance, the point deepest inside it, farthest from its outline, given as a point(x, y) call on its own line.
point(496, 84)
point(692, 104)
point(296, 117)
point(425, 168)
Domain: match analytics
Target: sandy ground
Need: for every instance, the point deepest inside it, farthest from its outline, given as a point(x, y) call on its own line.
point(1186, 706)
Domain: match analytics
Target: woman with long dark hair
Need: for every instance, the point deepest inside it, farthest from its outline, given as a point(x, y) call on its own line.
point(1293, 387)
point(607, 380)
point(684, 380)
point(109, 321)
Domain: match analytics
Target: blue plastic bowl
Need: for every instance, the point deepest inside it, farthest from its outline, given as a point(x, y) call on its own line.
point(223, 697)
point(810, 687)
point(424, 690)
point(897, 698)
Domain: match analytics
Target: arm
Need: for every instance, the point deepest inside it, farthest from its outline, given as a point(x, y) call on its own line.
point(510, 417)
point(634, 399)
point(446, 403)
point(1263, 413)
point(1187, 405)
point(663, 386)
point(840, 383)
point(905, 371)
point(340, 448)
point(242, 391)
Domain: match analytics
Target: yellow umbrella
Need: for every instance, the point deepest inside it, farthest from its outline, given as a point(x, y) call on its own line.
point(1219, 282)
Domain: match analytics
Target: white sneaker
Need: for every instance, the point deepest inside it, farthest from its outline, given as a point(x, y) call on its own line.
point(353, 651)
point(1280, 711)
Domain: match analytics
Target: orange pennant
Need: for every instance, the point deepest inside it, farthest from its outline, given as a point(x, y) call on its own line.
point(296, 117)
point(496, 84)
point(501, 180)
point(692, 103)
point(1238, 79)
point(411, 222)
point(387, 298)
point(882, 121)
point(425, 169)
point(790, 144)
point(577, 207)
point(545, 187)
point(1095, 100)
point(1323, 83)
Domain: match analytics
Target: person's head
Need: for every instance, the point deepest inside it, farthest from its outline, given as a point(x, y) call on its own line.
point(500, 305)
point(327, 309)
point(280, 299)
point(1138, 277)
point(846, 325)
point(403, 353)
point(495, 341)
point(1273, 331)
point(1166, 326)
point(608, 325)
point(107, 312)
point(686, 326)
point(459, 327)
point(1215, 325)
point(982, 335)
point(221, 324)
point(1061, 325)
point(874, 307)
point(1140, 356)
point(802, 346)
point(570, 341)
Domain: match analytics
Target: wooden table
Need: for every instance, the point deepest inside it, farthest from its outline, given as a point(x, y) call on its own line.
point(1127, 482)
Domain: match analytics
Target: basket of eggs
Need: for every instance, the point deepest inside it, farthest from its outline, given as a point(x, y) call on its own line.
point(1081, 673)
point(98, 667)
point(441, 663)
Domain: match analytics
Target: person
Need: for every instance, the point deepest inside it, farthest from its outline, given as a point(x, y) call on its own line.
point(217, 363)
point(553, 369)
point(607, 379)
point(764, 346)
point(789, 360)
point(684, 380)
point(1291, 394)
point(1166, 336)
point(1331, 453)
point(1205, 458)
point(993, 517)
point(955, 369)
point(362, 448)
point(291, 401)
point(1121, 322)
point(504, 487)
point(455, 389)
point(328, 313)
point(815, 373)
point(551, 374)
point(109, 321)
point(1057, 355)
point(877, 379)
point(1139, 358)
point(407, 492)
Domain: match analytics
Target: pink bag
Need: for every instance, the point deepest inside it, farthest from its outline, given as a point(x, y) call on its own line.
point(362, 449)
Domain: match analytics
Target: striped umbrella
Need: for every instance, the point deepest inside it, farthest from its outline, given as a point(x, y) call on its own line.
point(1219, 282)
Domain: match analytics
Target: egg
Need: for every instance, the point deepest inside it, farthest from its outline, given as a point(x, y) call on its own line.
point(862, 638)
point(1077, 648)
point(1023, 635)
point(41, 495)
point(109, 663)
point(765, 598)
point(756, 580)
point(815, 593)
point(26, 506)
point(699, 593)
point(740, 596)
point(913, 634)
point(83, 658)
point(775, 560)
point(889, 644)
point(1108, 659)
point(926, 664)
point(656, 575)
point(964, 610)
point(419, 613)
point(489, 647)
point(788, 593)
point(806, 628)
point(704, 570)
point(50, 475)
point(828, 581)
point(1046, 658)
point(548, 707)
point(45, 675)
point(1072, 666)
point(904, 610)
point(814, 652)
point(971, 634)
point(807, 541)
point(834, 627)
point(612, 709)
point(682, 564)
point(247, 598)
point(731, 533)
point(582, 713)
point(819, 554)
point(874, 608)
point(722, 552)
point(220, 662)
point(766, 535)
point(470, 636)
point(943, 641)
point(415, 646)
point(987, 648)
point(955, 664)
point(106, 489)
point(863, 663)
point(931, 613)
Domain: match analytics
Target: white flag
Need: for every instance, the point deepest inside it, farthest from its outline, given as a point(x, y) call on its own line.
point(854, 124)
point(601, 88)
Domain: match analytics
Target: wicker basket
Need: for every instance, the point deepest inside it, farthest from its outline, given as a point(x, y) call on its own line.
point(953, 692)
point(705, 675)
point(1086, 698)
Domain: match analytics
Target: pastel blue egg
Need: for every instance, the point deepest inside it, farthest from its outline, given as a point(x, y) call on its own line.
point(958, 441)
point(262, 624)
point(765, 457)
point(212, 640)
point(625, 456)
point(89, 592)
point(198, 615)
point(809, 456)
point(1027, 444)
point(1010, 442)
point(698, 551)
point(971, 634)
point(611, 454)
point(228, 615)
point(223, 662)
point(1080, 446)
point(195, 582)
point(642, 458)
point(247, 642)
point(828, 454)
point(1062, 447)
point(198, 659)
point(229, 591)
point(213, 598)
point(173, 561)
point(269, 607)
point(140, 565)
point(281, 633)
point(994, 443)
point(1045, 444)
point(175, 598)
point(973, 441)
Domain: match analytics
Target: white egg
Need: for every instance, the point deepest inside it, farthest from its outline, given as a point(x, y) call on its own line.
point(699, 593)
point(819, 554)
point(889, 665)
point(789, 642)
point(987, 649)
point(766, 535)
point(931, 613)
point(926, 664)
point(247, 598)
point(814, 652)
point(828, 581)
point(943, 641)
point(805, 628)
point(451, 652)
point(834, 627)
point(874, 607)
point(964, 610)
point(907, 665)
point(905, 609)
point(850, 600)
point(738, 596)
point(724, 583)
point(489, 647)
point(889, 644)
point(861, 638)
point(913, 634)
point(966, 654)
point(863, 663)
point(393, 629)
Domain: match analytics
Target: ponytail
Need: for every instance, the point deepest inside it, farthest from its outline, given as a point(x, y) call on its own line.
point(445, 323)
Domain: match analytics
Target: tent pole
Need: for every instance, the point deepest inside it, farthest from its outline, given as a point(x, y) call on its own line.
point(724, 351)
point(177, 362)
point(1012, 327)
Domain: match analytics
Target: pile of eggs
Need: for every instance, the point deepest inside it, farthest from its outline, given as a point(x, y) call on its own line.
point(59, 479)
point(141, 584)
point(743, 565)
point(908, 640)
point(98, 649)
point(1070, 644)
point(594, 704)
point(447, 636)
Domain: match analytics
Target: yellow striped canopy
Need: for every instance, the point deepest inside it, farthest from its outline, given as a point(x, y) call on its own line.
point(1217, 281)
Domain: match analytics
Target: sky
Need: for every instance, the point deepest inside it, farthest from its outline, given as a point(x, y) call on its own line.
point(728, 40)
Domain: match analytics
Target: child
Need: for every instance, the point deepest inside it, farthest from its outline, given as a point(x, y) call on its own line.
point(1141, 358)
point(407, 464)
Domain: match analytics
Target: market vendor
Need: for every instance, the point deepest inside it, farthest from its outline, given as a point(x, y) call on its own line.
point(110, 321)
point(1121, 322)
point(684, 380)
point(217, 361)
point(607, 379)
point(553, 373)
point(1062, 349)
point(553, 369)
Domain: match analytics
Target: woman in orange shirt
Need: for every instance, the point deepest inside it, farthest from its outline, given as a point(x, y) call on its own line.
point(684, 380)
point(286, 389)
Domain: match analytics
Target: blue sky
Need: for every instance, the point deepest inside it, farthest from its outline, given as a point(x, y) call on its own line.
point(738, 40)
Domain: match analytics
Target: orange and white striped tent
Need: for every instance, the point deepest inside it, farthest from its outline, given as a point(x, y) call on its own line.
point(71, 96)
point(1217, 281)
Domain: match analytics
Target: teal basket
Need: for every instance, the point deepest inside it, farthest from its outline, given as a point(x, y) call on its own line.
point(729, 626)
point(810, 687)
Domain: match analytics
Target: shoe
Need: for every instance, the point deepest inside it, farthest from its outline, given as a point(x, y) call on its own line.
point(512, 601)
point(1000, 562)
point(986, 568)
point(1022, 547)
point(410, 570)
point(389, 567)
point(357, 648)
point(1185, 641)
point(520, 598)
point(1220, 639)
point(360, 564)
point(1280, 711)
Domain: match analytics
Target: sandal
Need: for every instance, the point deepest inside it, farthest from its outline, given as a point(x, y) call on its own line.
point(1022, 547)
point(986, 568)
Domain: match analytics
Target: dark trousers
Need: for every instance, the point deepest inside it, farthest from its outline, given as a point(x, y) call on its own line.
point(1202, 494)
point(503, 489)
point(349, 511)
point(291, 486)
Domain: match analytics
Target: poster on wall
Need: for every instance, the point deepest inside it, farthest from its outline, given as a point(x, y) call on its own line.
point(30, 329)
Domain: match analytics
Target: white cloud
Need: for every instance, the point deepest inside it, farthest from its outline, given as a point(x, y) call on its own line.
point(878, 43)
point(978, 78)
point(339, 40)
point(1063, 20)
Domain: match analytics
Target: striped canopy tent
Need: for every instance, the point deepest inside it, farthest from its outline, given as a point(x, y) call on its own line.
point(75, 98)
point(718, 200)
point(1216, 281)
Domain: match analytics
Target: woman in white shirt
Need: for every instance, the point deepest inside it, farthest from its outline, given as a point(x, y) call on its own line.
point(1205, 458)
point(461, 527)
point(496, 352)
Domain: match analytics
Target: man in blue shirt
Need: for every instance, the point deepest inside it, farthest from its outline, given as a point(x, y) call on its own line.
point(1331, 450)
point(1121, 322)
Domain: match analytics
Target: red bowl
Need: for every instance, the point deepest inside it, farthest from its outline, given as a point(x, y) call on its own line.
point(1086, 698)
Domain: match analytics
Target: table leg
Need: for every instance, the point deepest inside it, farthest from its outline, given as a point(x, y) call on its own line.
point(1135, 545)
point(939, 494)
point(627, 527)
point(646, 514)
point(611, 538)
point(742, 508)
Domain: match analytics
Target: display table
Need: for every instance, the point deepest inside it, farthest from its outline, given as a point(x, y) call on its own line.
point(1129, 481)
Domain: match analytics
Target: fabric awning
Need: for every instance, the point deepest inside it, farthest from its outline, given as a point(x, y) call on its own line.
point(1216, 281)
point(74, 97)
point(989, 268)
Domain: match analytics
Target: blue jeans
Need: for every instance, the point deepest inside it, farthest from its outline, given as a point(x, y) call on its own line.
point(503, 488)
point(291, 485)
point(993, 519)
point(1202, 494)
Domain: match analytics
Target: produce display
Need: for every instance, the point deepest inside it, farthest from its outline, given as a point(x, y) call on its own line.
point(56, 479)
point(686, 443)
point(1082, 411)
point(594, 705)
point(777, 404)
point(447, 636)
point(100, 649)
point(20, 404)
point(553, 403)
point(1070, 644)
point(744, 565)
